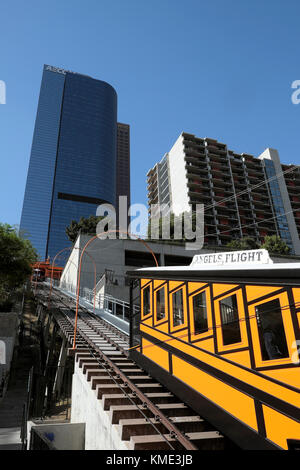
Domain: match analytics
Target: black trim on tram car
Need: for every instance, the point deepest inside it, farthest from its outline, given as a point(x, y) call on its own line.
point(238, 432)
point(251, 276)
point(271, 401)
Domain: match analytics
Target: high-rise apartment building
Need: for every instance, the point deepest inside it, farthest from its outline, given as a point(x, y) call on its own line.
point(123, 162)
point(242, 195)
point(74, 157)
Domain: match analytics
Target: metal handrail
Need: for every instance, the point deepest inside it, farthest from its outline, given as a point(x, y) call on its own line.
point(114, 306)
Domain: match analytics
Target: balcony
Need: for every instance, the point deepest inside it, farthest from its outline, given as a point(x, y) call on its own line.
point(195, 160)
point(196, 169)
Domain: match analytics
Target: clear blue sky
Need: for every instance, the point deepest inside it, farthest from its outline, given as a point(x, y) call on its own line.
point(219, 68)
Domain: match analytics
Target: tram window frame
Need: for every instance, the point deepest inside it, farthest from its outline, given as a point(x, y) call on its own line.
point(156, 292)
point(268, 332)
point(195, 335)
point(241, 319)
point(146, 287)
point(288, 330)
point(182, 325)
point(227, 327)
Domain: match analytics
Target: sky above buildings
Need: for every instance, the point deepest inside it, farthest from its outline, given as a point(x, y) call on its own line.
point(220, 68)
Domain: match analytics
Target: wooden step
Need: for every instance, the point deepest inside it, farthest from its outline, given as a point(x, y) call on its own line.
point(121, 399)
point(210, 440)
point(138, 427)
point(131, 411)
point(113, 388)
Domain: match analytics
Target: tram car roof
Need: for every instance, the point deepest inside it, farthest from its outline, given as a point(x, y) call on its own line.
point(209, 269)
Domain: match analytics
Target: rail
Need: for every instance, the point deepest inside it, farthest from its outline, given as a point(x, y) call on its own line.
point(129, 389)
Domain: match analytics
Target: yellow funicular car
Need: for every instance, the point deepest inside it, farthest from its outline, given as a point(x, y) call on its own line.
point(223, 334)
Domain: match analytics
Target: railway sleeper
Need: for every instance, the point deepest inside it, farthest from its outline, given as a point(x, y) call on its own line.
point(121, 399)
point(131, 411)
point(98, 380)
point(141, 426)
point(114, 388)
point(210, 440)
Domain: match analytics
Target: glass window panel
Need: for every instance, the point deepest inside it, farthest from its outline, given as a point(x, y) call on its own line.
point(200, 313)
point(271, 330)
point(146, 300)
point(230, 320)
point(160, 304)
point(178, 317)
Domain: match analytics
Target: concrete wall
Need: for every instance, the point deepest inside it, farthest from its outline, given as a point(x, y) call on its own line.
point(178, 178)
point(69, 275)
point(61, 436)
point(100, 434)
point(110, 254)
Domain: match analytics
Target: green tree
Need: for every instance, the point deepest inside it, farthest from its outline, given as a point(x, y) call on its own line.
point(246, 243)
point(85, 225)
point(16, 257)
point(275, 245)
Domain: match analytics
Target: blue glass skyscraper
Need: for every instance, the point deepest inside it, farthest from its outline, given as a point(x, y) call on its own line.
point(73, 162)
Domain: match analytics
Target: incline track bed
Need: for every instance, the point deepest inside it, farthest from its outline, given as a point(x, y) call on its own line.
point(150, 417)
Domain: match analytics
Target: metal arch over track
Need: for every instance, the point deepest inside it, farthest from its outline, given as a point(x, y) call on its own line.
point(99, 341)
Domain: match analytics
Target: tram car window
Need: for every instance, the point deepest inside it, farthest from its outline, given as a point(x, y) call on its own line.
point(224, 338)
point(271, 330)
point(160, 302)
point(177, 304)
point(200, 313)
point(230, 320)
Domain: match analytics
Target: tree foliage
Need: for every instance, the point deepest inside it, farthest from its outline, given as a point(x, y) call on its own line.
point(245, 243)
point(85, 225)
point(272, 243)
point(275, 245)
point(16, 257)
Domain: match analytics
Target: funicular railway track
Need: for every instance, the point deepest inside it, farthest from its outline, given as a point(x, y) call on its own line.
point(150, 417)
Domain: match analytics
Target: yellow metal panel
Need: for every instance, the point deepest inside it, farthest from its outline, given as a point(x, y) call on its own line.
point(174, 284)
point(163, 327)
point(219, 289)
point(144, 282)
point(240, 357)
point(148, 321)
point(158, 283)
point(245, 375)
point(296, 294)
point(183, 335)
point(207, 344)
point(156, 354)
point(287, 376)
point(231, 400)
point(254, 292)
point(279, 428)
point(195, 286)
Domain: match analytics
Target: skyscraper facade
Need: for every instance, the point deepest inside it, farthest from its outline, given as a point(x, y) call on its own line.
point(242, 195)
point(123, 162)
point(73, 162)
